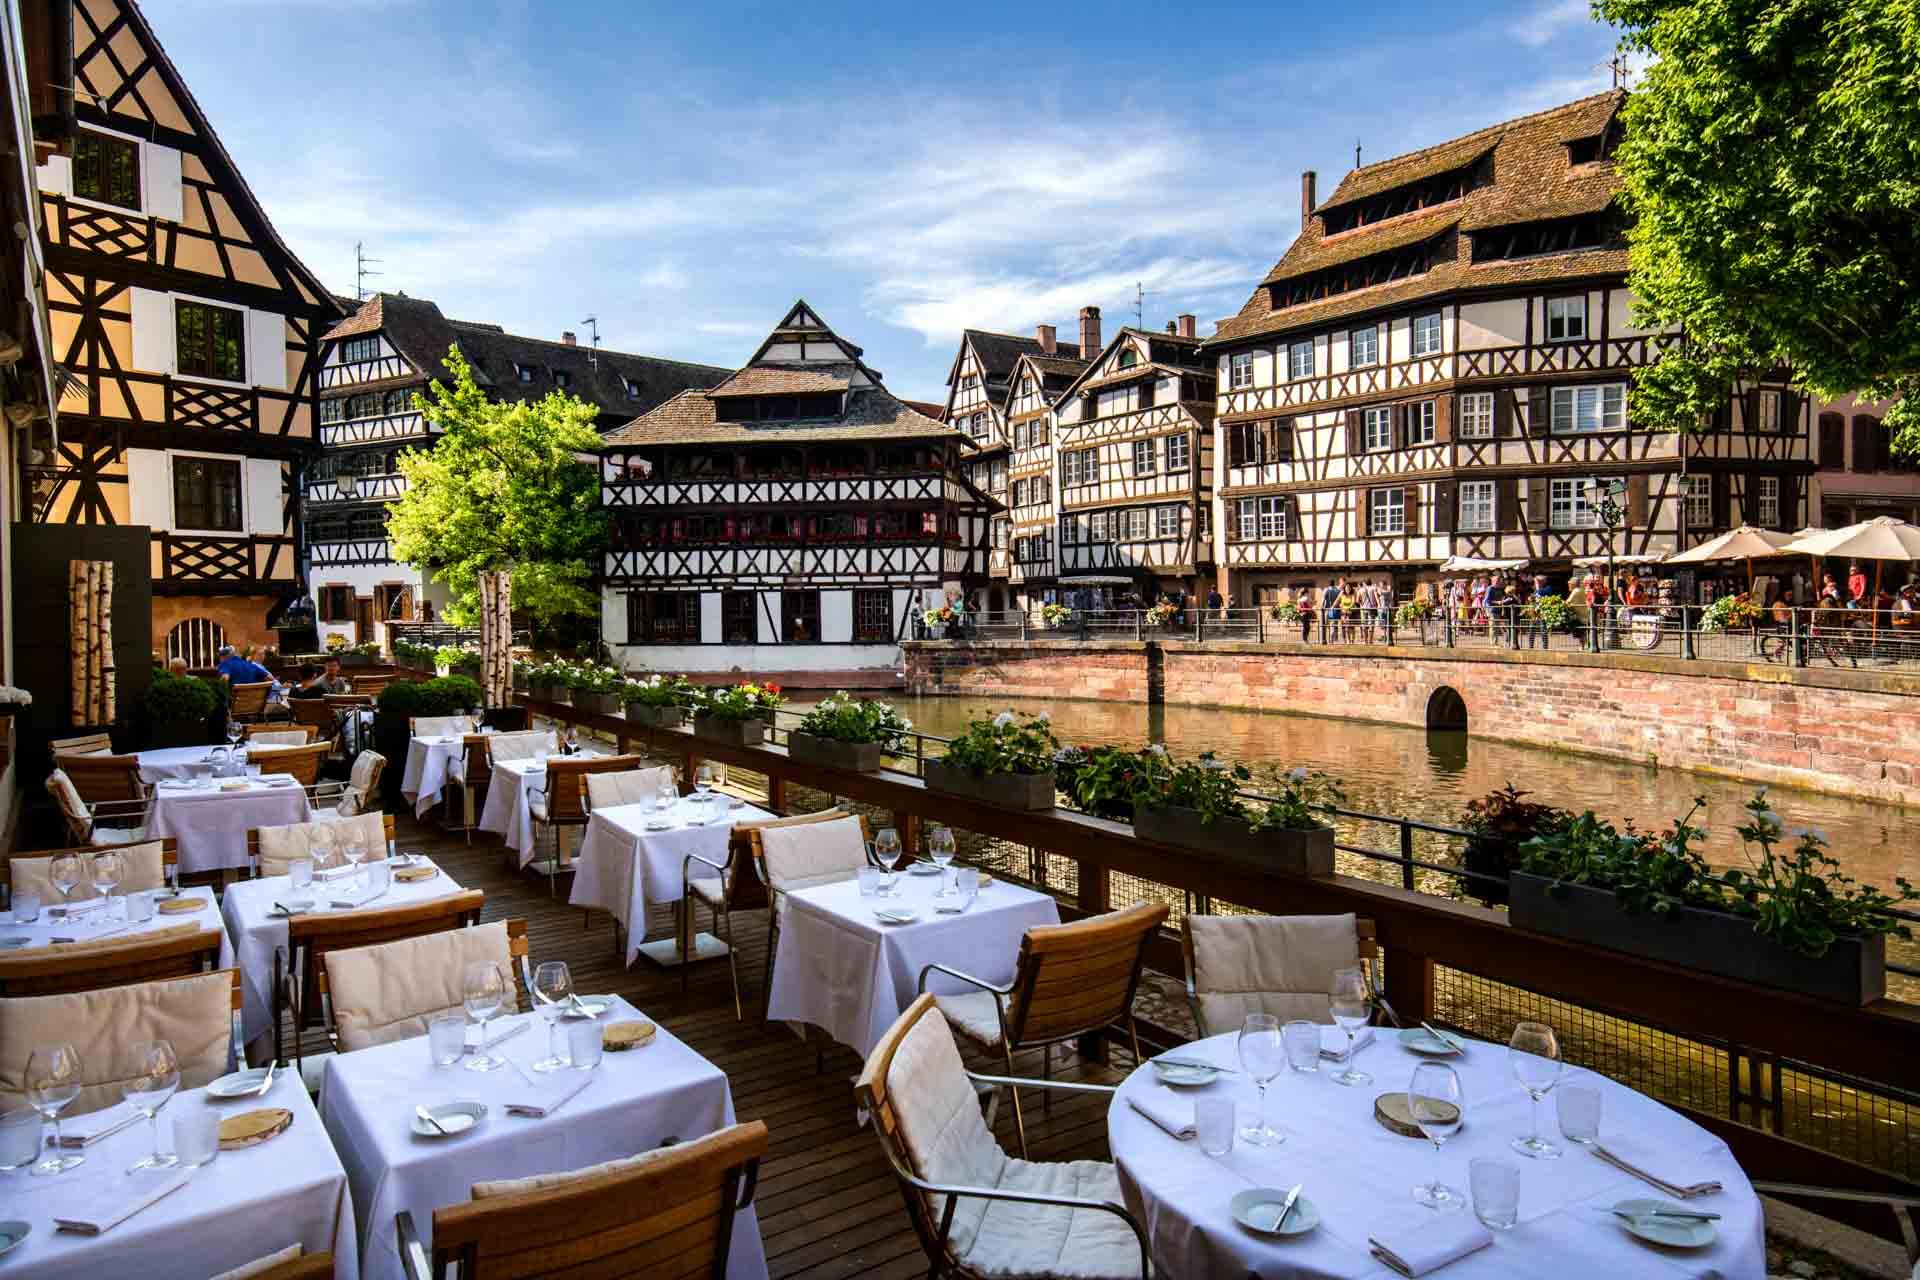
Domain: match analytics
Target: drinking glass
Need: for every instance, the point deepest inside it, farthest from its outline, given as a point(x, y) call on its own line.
point(703, 781)
point(447, 1039)
point(196, 1135)
point(139, 907)
point(53, 1081)
point(669, 794)
point(105, 873)
point(379, 877)
point(356, 853)
point(19, 1138)
point(869, 881)
point(552, 985)
point(584, 1044)
point(156, 1075)
point(886, 851)
point(26, 908)
point(235, 732)
point(300, 872)
point(1213, 1119)
point(486, 992)
point(1437, 1104)
point(1262, 1057)
point(1533, 1055)
point(1496, 1192)
point(1350, 1001)
point(66, 872)
point(966, 883)
point(1579, 1112)
point(940, 849)
point(1302, 1040)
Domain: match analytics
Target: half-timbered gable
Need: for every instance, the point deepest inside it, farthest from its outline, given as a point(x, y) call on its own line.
point(1036, 383)
point(191, 330)
point(793, 517)
point(1439, 365)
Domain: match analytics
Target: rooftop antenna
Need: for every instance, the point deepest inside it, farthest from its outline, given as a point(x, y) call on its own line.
point(361, 270)
point(593, 330)
point(1618, 67)
point(1139, 306)
point(1356, 153)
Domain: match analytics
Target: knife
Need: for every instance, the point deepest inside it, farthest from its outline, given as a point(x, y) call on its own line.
point(268, 1082)
point(1688, 1215)
point(427, 1115)
point(1443, 1037)
point(1287, 1206)
point(1197, 1065)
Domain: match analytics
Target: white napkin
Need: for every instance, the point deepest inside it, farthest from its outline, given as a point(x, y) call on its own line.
point(1430, 1243)
point(146, 1191)
point(1333, 1041)
point(78, 909)
point(1676, 1173)
point(84, 1131)
point(333, 873)
point(549, 1100)
point(1159, 1105)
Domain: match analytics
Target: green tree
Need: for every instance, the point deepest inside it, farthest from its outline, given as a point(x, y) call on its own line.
point(1771, 168)
point(503, 488)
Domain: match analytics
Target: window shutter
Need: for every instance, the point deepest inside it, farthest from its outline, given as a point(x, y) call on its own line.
point(1539, 410)
point(1751, 409)
point(152, 319)
point(266, 511)
point(1750, 499)
point(1355, 433)
point(1283, 440)
point(1789, 424)
point(1833, 442)
point(1506, 500)
point(1362, 517)
point(1723, 417)
point(1538, 502)
point(1866, 450)
point(1413, 508)
point(1443, 418)
point(1503, 412)
point(1718, 484)
point(1293, 518)
point(149, 489)
point(1400, 425)
point(163, 194)
point(1637, 502)
point(267, 349)
point(1445, 500)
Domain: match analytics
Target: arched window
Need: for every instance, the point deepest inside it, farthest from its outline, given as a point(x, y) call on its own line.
point(197, 640)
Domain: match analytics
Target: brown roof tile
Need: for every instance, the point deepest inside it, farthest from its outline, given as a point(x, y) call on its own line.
point(872, 413)
point(775, 379)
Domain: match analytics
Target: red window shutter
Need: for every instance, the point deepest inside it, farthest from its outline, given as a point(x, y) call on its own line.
point(1637, 502)
point(1443, 419)
point(1356, 437)
point(1413, 508)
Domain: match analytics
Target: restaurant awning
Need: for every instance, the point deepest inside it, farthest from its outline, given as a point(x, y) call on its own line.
point(1881, 538)
point(1097, 580)
point(1744, 543)
point(1474, 564)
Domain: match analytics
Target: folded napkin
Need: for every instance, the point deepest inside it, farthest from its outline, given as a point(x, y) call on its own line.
point(1175, 1115)
point(1676, 1173)
point(1333, 1041)
point(333, 873)
point(546, 1101)
point(84, 1131)
point(500, 1037)
point(145, 1191)
point(64, 912)
point(356, 900)
point(1430, 1243)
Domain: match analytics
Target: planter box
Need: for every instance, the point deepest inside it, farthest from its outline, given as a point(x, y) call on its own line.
point(734, 733)
point(552, 693)
point(1854, 970)
point(1294, 853)
point(657, 717)
point(1031, 792)
point(599, 704)
point(860, 757)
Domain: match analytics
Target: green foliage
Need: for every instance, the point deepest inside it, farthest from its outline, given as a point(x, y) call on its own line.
point(1411, 613)
point(1773, 187)
point(1215, 790)
point(453, 657)
point(503, 488)
point(744, 701)
point(1102, 780)
point(1555, 612)
point(659, 691)
point(413, 652)
point(1056, 615)
point(1802, 899)
point(1008, 743)
point(1731, 613)
point(1285, 611)
point(172, 697)
point(1297, 799)
point(444, 696)
point(1645, 872)
point(845, 718)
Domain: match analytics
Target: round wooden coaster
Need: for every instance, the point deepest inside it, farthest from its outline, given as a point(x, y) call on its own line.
point(620, 1036)
point(1395, 1116)
point(251, 1128)
point(410, 875)
point(179, 906)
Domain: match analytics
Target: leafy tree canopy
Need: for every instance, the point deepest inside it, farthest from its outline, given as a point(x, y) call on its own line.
point(1771, 166)
point(503, 488)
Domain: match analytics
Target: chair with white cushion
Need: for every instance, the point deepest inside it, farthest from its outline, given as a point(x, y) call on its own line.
point(439, 726)
point(88, 823)
point(392, 990)
point(522, 745)
point(142, 866)
point(263, 736)
point(799, 855)
point(301, 763)
point(979, 1212)
point(357, 796)
point(90, 744)
point(629, 786)
point(290, 1263)
point(561, 801)
point(1283, 965)
point(271, 850)
point(116, 960)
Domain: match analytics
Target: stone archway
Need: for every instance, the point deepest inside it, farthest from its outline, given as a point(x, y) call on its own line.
point(1446, 709)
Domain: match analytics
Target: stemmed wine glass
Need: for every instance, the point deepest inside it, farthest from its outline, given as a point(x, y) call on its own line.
point(486, 992)
point(235, 732)
point(105, 873)
point(1533, 1055)
point(703, 782)
point(552, 987)
point(53, 1081)
point(355, 850)
point(155, 1077)
point(1263, 1055)
point(886, 851)
point(1350, 1001)
point(940, 848)
point(66, 873)
point(1438, 1105)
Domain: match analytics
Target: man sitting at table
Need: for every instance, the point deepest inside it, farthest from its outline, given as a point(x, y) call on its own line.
point(238, 669)
point(312, 683)
point(331, 681)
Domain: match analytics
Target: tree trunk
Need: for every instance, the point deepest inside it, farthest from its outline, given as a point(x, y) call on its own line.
point(496, 636)
point(91, 686)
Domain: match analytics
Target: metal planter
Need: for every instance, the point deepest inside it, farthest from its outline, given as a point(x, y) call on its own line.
point(654, 717)
point(732, 733)
point(1030, 792)
point(1294, 853)
point(599, 704)
point(859, 757)
point(544, 692)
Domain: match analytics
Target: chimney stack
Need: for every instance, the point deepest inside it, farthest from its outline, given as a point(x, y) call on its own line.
point(567, 338)
point(1307, 200)
point(1186, 327)
point(1049, 343)
point(1089, 332)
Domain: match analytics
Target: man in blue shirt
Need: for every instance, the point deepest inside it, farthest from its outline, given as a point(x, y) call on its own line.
point(239, 670)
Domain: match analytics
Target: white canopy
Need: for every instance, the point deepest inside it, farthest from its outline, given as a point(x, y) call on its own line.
point(1881, 538)
point(1096, 580)
point(1595, 562)
point(1744, 543)
point(1474, 564)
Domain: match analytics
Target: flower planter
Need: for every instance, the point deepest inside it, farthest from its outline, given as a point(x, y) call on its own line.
point(1026, 791)
point(598, 704)
point(1854, 970)
point(734, 733)
point(1294, 853)
point(552, 693)
point(860, 757)
point(657, 717)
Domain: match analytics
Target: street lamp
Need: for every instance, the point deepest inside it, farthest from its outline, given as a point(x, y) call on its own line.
point(1603, 497)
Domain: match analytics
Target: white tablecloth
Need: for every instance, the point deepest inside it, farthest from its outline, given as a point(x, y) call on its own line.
point(636, 1101)
point(258, 934)
point(109, 924)
point(174, 762)
point(622, 866)
point(430, 762)
point(1360, 1177)
point(843, 971)
point(242, 1206)
point(507, 812)
point(211, 825)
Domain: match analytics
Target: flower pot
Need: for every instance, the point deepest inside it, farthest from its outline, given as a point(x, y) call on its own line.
point(1294, 853)
point(1854, 970)
point(860, 757)
point(657, 717)
point(598, 704)
point(1026, 791)
point(552, 693)
point(734, 733)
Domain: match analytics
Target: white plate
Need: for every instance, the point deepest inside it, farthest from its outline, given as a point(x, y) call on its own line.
point(14, 944)
point(239, 1084)
point(1674, 1233)
point(12, 1233)
point(895, 915)
point(923, 869)
point(1186, 1077)
point(455, 1117)
point(1257, 1207)
point(660, 824)
point(595, 1006)
point(1422, 1041)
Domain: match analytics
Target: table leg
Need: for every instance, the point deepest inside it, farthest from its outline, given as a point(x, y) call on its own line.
point(686, 946)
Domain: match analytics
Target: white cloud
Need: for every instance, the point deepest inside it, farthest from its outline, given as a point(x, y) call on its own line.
point(1550, 21)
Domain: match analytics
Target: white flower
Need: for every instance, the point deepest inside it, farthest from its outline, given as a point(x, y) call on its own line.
point(1299, 773)
point(906, 724)
point(1042, 717)
point(1158, 749)
point(15, 695)
point(1002, 720)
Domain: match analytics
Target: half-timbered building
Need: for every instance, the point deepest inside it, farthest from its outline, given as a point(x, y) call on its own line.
point(1439, 366)
point(1039, 380)
point(374, 364)
point(192, 333)
point(793, 518)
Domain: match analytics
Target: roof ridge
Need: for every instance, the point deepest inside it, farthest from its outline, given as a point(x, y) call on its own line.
point(482, 327)
point(1497, 127)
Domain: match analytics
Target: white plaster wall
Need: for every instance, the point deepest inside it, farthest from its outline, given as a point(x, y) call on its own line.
point(1501, 323)
point(757, 658)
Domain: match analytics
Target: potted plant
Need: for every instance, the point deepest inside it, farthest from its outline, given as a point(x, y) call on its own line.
point(737, 715)
point(1199, 805)
point(1554, 613)
point(1055, 616)
point(1162, 614)
point(413, 654)
point(1416, 614)
point(598, 690)
point(937, 622)
point(846, 732)
point(658, 700)
point(455, 659)
point(1736, 612)
point(1100, 780)
point(1500, 822)
point(521, 669)
point(1005, 761)
point(553, 681)
point(179, 709)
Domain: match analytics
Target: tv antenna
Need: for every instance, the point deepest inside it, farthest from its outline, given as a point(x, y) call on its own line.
point(1356, 153)
point(361, 270)
point(593, 331)
point(1139, 306)
point(1621, 71)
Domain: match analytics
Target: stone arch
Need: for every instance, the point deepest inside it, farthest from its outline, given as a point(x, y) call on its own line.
point(1446, 709)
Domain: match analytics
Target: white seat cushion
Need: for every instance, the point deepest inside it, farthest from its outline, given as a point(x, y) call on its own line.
point(194, 1014)
point(280, 846)
point(537, 804)
point(1281, 965)
point(119, 835)
point(441, 726)
point(549, 1181)
point(709, 890)
point(140, 868)
point(605, 790)
point(392, 990)
point(973, 1012)
point(813, 853)
point(261, 1266)
point(279, 738)
point(331, 814)
point(521, 746)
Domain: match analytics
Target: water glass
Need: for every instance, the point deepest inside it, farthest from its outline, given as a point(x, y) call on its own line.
point(584, 1043)
point(139, 908)
point(966, 882)
point(300, 871)
point(19, 1138)
point(1262, 1057)
point(1213, 1123)
point(379, 877)
point(1496, 1192)
point(1302, 1039)
point(26, 908)
point(196, 1136)
point(1579, 1107)
point(447, 1038)
point(869, 881)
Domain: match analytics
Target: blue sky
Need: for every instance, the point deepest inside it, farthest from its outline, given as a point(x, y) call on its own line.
point(685, 171)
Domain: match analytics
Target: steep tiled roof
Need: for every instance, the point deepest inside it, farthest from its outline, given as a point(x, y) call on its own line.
point(998, 351)
point(938, 412)
point(774, 379)
point(872, 413)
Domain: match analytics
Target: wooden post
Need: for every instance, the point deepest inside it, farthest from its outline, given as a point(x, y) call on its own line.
point(1094, 890)
point(1409, 986)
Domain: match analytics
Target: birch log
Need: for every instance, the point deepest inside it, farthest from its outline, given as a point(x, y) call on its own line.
point(77, 634)
point(103, 622)
point(496, 636)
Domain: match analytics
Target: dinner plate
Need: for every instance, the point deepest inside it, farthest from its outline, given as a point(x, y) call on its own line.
point(1257, 1208)
point(1674, 1233)
point(1184, 1076)
point(895, 915)
point(238, 1084)
point(1424, 1042)
point(14, 943)
point(660, 824)
point(454, 1117)
point(594, 1005)
point(12, 1233)
point(923, 869)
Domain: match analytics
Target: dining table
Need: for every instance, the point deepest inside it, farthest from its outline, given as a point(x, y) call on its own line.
point(178, 763)
point(111, 924)
point(210, 817)
point(658, 1092)
point(431, 761)
point(242, 1205)
point(634, 855)
point(842, 969)
point(1358, 1175)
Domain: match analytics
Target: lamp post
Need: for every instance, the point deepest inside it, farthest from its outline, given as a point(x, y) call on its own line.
point(1603, 496)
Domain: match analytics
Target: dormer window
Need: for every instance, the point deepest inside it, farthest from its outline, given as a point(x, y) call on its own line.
point(523, 373)
point(561, 378)
point(1128, 358)
point(633, 388)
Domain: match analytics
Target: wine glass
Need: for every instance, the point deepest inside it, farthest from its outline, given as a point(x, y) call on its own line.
point(940, 848)
point(669, 794)
point(1262, 1056)
point(156, 1075)
point(66, 872)
point(485, 993)
point(105, 873)
point(552, 987)
point(1437, 1104)
point(53, 1081)
point(703, 781)
point(1350, 1001)
point(355, 850)
point(1533, 1055)
point(886, 851)
point(235, 732)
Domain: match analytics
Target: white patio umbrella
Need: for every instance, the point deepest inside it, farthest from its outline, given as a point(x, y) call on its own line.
point(1745, 543)
point(1475, 564)
point(1880, 539)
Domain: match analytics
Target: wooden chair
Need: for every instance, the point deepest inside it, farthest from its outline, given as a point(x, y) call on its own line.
point(347, 708)
point(169, 863)
point(421, 1003)
point(248, 701)
point(1294, 958)
point(1071, 980)
point(300, 763)
point(476, 771)
point(315, 714)
point(297, 966)
point(360, 793)
point(563, 803)
point(952, 1172)
point(176, 951)
point(438, 726)
point(103, 779)
point(281, 735)
point(767, 883)
point(253, 846)
point(663, 1213)
point(87, 745)
point(372, 686)
point(301, 1266)
point(83, 819)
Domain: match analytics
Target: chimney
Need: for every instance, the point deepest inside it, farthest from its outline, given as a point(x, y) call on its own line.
point(1186, 327)
point(1045, 333)
point(1089, 332)
point(1170, 329)
point(567, 339)
point(1307, 200)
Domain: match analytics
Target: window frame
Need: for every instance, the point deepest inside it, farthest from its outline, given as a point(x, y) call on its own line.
point(1610, 401)
point(213, 311)
point(1383, 415)
point(1767, 493)
point(799, 604)
point(1578, 507)
point(1166, 522)
point(1421, 418)
point(1474, 424)
point(1272, 511)
point(349, 347)
point(1387, 507)
point(1477, 496)
point(650, 612)
point(1080, 467)
point(108, 142)
point(865, 614)
point(1696, 502)
point(1294, 361)
point(1354, 360)
point(1439, 335)
point(1566, 302)
point(732, 603)
point(329, 595)
point(1239, 370)
point(1183, 444)
point(209, 462)
point(1146, 458)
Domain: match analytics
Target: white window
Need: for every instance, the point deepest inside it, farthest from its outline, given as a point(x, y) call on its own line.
point(1420, 423)
point(1426, 334)
point(1379, 429)
point(1567, 318)
point(1767, 507)
point(1699, 490)
point(1300, 359)
point(1134, 521)
point(1145, 457)
point(1476, 415)
point(1476, 506)
point(1568, 506)
point(1240, 370)
point(1273, 517)
point(1246, 511)
point(1082, 466)
point(1179, 452)
point(1363, 346)
point(1602, 408)
point(1769, 412)
point(1387, 510)
point(1097, 527)
point(1166, 522)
